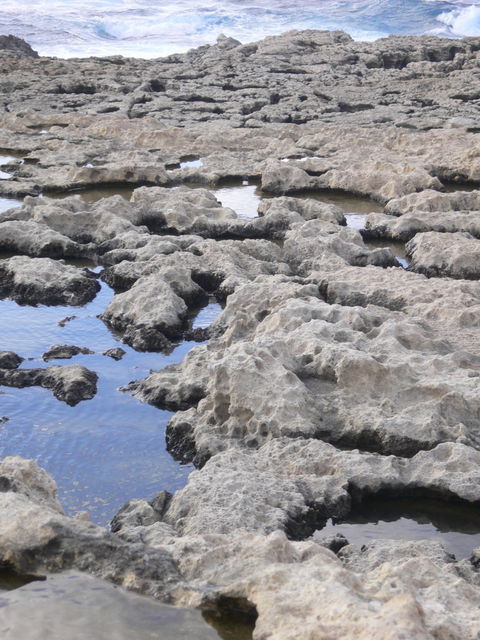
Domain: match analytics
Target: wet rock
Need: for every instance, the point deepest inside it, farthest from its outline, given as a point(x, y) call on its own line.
point(455, 255)
point(300, 367)
point(46, 609)
point(64, 321)
point(74, 219)
point(259, 573)
point(181, 210)
point(10, 360)
point(36, 537)
point(64, 351)
point(150, 312)
point(375, 553)
point(116, 353)
point(297, 484)
point(335, 542)
point(71, 383)
point(381, 181)
point(167, 389)
point(45, 281)
point(324, 246)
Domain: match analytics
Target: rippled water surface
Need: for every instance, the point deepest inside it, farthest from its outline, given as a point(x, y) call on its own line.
point(152, 28)
point(103, 451)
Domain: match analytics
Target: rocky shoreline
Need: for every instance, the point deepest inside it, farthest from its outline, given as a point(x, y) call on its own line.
point(332, 375)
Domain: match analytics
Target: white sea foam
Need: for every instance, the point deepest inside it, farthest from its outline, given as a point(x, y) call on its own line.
point(153, 28)
point(462, 22)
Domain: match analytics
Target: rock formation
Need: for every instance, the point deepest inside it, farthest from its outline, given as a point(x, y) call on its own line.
point(332, 376)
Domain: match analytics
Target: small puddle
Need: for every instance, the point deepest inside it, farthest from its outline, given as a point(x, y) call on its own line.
point(6, 159)
point(457, 526)
point(190, 162)
point(94, 194)
point(103, 451)
point(397, 248)
point(349, 203)
point(356, 220)
point(243, 199)
point(9, 203)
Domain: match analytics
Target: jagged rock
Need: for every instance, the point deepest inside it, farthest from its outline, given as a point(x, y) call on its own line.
point(307, 209)
point(10, 360)
point(45, 281)
point(11, 46)
point(406, 226)
point(151, 313)
point(38, 241)
point(64, 351)
point(325, 246)
point(181, 210)
point(116, 353)
point(456, 255)
point(36, 537)
point(77, 220)
point(280, 178)
point(379, 180)
point(429, 200)
point(71, 383)
point(334, 542)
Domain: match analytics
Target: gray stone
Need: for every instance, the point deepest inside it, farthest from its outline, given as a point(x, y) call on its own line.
point(64, 351)
point(455, 255)
point(10, 360)
point(71, 383)
point(47, 608)
point(45, 281)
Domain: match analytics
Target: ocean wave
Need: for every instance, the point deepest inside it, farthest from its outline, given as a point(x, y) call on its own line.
point(67, 28)
point(462, 22)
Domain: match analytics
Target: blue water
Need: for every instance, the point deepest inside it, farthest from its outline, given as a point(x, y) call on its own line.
point(152, 28)
point(103, 451)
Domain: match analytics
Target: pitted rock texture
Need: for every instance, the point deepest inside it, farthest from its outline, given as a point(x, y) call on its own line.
point(331, 375)
point(390, 589)
point(71, 383)
point(46, 281)
point(456, 255)
point(287, 363)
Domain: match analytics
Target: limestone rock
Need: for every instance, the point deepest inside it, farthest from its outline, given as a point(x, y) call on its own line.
point(406, 226)
point(10, 360)
point(64, 351)
point(45, 281)
point(455, 255)
point(429, 200)
point(71, 383)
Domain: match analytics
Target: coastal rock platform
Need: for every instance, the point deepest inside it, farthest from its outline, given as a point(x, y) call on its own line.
point(337, 372)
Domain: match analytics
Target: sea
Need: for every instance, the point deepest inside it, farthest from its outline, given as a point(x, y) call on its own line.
point(155, 28)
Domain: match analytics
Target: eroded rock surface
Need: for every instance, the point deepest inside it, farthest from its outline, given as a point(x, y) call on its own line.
point(46, 281)
point(243, 570)
point(331, 375)
point(70, 383)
